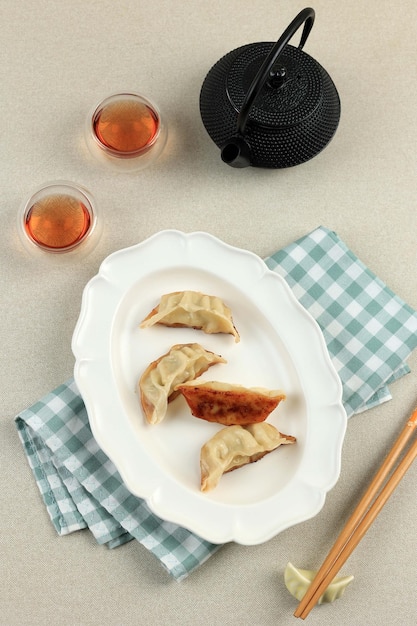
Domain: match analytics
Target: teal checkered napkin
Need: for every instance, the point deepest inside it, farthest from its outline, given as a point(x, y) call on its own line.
point(369, 331)
point(81, 487)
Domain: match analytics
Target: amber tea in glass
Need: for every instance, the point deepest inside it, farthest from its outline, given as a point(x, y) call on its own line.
point(126, 127)
point(58, 217)
point(126, 131)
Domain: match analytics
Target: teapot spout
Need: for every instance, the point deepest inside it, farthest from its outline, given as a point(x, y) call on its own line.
point(236, 153)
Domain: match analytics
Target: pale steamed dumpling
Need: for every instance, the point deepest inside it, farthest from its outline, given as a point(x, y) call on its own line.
point(192, 309)
point(183, 362)
point(235, 446)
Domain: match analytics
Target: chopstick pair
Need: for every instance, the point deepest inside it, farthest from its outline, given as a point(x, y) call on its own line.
point(363, 516)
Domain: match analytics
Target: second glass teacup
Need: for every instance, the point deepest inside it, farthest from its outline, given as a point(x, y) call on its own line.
point(126, 131)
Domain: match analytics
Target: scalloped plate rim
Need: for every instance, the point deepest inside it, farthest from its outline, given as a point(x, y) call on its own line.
point(234, 523)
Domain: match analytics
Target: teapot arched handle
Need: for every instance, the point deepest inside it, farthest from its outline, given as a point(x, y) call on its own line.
point(306, 17)
point(236, 152)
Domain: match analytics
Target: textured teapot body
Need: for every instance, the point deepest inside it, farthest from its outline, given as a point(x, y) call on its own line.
point(294, 114)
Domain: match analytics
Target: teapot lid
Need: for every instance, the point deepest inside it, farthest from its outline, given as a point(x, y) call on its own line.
point(292, 91)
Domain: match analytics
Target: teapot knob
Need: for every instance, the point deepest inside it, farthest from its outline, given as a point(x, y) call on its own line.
point(276, 77)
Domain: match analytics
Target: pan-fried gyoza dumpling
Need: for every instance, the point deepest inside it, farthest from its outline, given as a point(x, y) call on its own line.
point(235, 446)
point(157, 384)
point(192, 309)
point(228, 404)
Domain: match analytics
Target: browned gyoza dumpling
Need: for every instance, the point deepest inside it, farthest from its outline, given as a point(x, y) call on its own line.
point(228, 404)
point(235, 446)
point(157, 384)
point(192, 309)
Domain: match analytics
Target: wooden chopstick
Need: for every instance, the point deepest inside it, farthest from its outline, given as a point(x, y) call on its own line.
point(363, 526)
point(362, 517)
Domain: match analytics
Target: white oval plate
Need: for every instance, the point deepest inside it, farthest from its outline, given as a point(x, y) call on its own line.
point(281, 347)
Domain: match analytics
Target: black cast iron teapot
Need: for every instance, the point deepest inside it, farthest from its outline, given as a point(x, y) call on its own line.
point(270, 104)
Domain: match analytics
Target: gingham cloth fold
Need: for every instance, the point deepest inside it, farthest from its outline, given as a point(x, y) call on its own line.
point(81, 487)
point(369, 331)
